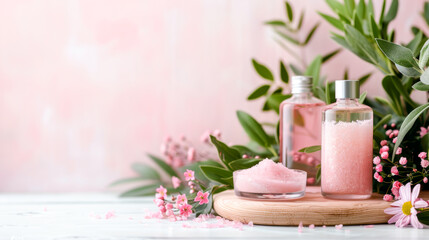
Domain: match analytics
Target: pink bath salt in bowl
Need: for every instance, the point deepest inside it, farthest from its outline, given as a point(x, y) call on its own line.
point(270, 180)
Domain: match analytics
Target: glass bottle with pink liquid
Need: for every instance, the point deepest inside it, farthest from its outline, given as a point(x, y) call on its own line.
point(347, 145)
point(300, 127)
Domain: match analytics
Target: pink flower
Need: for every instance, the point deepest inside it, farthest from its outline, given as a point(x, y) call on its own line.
point(388, 197)
point(395, 132)
point(185, 210)
point(422, 155)
point(425, 180)
point(398, 151)
point(397, 184)
point(388, 132)
point(393, 125)
point(189, 175)
point(394, 170)
point(202, 198)
point(181, 200)
point(376, 160)
point(424, 163)
point(384, 149)
point(311, 180)
point(217, 133)
point(191, 154)
point(176, 181)
point(423, 131)
point(403, 161)
point(394, 140)
point(161, 191)
point(380, 179)
point(385, 155)
point(206, 136)
point(376, 175)
point(379, 168)
point(385, 126)
point(169, 206)
point(404, 210)
point(383, 143)
point(395, 192)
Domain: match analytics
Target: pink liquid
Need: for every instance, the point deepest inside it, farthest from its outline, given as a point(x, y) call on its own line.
point(300, 126)
point(270, 178)
point(346, 159)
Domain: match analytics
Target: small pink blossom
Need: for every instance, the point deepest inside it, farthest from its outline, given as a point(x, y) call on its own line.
point(383, 143)
point(385, 126)
point(395, 139)
point(191, 154)
point(161, 191)
point(169, 206)
point(189, 175)
point(387, 197)
point(380, 179)
point(424, 163)
point(388, 132)
point(423, 131)
point(217, 133)
point(244, 156)
point(385, 155)
point(384, 149)
point(376, 175)
point(397, 184)
point(191, 191)
point(376, 160)
point(176, 181)
point(379, 168)
point(398, 151)
point(159, 202)
point(423, 155)
point(202, 198)
point(395, 192)
point(393, 125)
point(181, 200)
point(425, 180)
point(392, 135)
point(394, 170)
point(311, 180)
point(403, 161)
point(395, 132)
point(185, 210)
point(159, 196)
point(162, 209)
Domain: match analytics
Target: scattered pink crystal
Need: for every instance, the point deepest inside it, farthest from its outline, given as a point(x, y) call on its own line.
point(368, 226)
point(311, 226)
point(300, 227)
point(340, 226)
point(250, 224)
point(110, 214)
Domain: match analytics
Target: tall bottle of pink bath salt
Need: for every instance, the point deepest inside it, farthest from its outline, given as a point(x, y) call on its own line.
point(347, 145)
point(300, 126)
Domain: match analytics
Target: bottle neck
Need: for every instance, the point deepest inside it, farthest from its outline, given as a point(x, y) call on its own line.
point(303, 95)
point(347, 101)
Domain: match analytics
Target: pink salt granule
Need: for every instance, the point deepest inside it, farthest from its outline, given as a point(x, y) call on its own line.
point(300, 227)
point(340, 226)
point(269, 177)
point(110, 214)
point(311, 226)
point(368, 226)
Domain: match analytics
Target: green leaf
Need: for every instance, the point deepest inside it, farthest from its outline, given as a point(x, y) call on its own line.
point(361, 44)
point(342, 41)
point(423, 216)
point(383, 8)
point(259, 92)
point(126, 180)
point(424, 55)
point(426, 12)
point(346, 74)
point(393, 10)
point(330, 55)
point(276, 23)
point(414, 45)
point(289, 11)
point(374, 27)
point(421, 86)
point(350, 6)
point(283, 73)
point(360, 9)
point(295, 69)
point(407, 124)
point(370, 8)
point(409, 72)
point(383, 121)
point(314, 70)
point(146, 171)
point(311, 33)
point(226, 154)
point(301, 20)
point(397, 53)
point(327, 93)
point(392, 92)
point(333, 21)
point(216, 174)
point(319, 173)
point(425, 77)
point(337, 6)
point(141, 191)
point(310, 149)
point(396, 82)
point(244, 163)
point(275, 100)
point(164, 166)
point(364, 78)
point(288, 38)
point(253, 129)
point(262, 70)
point(362, 97)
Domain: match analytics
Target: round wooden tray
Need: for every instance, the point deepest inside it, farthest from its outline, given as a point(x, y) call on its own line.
point(311, 209)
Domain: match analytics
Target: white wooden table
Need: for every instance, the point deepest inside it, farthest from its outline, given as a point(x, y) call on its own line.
point(83, 216)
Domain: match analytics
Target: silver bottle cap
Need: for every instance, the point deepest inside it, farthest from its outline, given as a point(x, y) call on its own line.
point(301, 84)
point(346, 89)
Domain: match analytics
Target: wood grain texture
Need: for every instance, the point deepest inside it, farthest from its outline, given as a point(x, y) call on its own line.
point(311, 209)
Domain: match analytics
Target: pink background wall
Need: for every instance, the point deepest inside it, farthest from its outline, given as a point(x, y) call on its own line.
point(87, 87)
